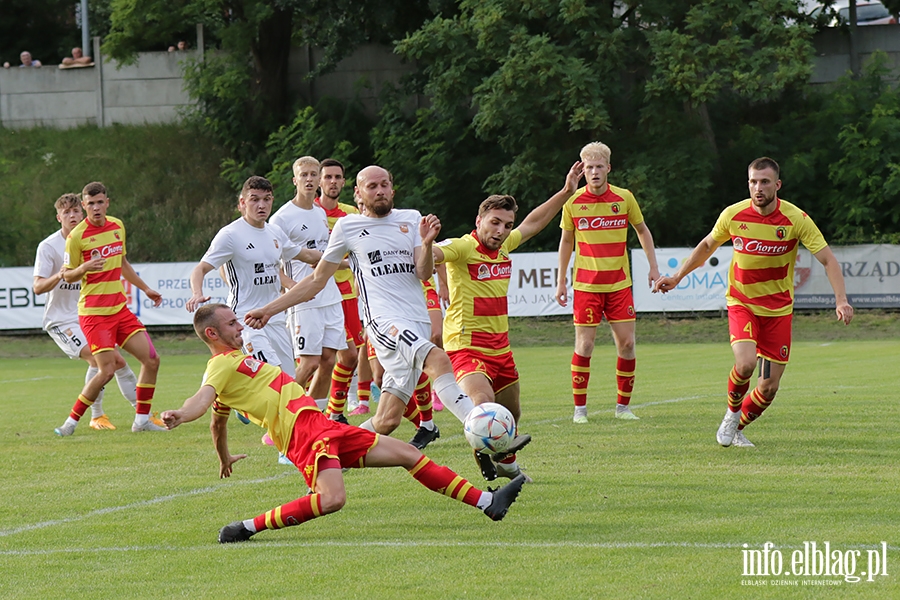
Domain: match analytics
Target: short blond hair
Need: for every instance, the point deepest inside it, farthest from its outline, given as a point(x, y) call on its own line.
point(596, 150)
point(304, 160)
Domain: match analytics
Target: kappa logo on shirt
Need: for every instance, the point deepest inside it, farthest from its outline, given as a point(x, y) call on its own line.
point(743, 227)
point(584, 207)
point(375, 257)
point(259, 268)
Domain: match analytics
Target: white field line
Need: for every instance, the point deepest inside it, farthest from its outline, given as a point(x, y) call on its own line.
point(152, 501)
point(406, 543)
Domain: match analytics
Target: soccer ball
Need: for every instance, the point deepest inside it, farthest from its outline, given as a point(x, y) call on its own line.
point(490, 427)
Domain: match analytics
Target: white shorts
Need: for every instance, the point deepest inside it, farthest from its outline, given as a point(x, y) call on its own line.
point(401, 347)
point(312, 329)
point(271, 344)
point(69, 338)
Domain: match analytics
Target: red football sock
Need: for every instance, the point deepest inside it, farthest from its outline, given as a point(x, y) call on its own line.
point(293, 513)
point(412, 412)
point(737, 389)
point(340, 384)
point(624, 379)
point(581, 375)
point(423, 397)
point(444, 481)
point(144, 394)
point(754, 405)
point(80, 406)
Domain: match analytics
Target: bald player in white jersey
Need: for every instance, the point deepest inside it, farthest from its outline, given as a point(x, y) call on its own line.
point(390, 252)
point(252, 252)
point(61, 307)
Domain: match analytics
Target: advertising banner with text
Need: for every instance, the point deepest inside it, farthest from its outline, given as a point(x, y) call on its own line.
point(871, 273)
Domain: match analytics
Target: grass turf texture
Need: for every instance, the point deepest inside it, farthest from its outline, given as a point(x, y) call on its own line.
point(646, 509)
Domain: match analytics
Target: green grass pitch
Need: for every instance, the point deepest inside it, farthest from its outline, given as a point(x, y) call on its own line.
point(646, 509)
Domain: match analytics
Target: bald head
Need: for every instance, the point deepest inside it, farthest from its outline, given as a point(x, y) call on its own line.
point(375, 188)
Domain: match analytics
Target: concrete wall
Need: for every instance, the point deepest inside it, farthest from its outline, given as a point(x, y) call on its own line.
point(150, 91)
point(833, 50)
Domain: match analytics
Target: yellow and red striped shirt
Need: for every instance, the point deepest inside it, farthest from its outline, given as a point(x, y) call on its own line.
point(601, 224)
point(263, 393)
point(478, 278)
point(343, 277)
point(761, 275)
point(102, 292)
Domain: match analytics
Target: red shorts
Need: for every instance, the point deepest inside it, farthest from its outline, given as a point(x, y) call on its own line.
point(352, 324)
point(105, 332)
point(432, 300)
point(317, 439)
point(591, 307)
point(500, 370)
point(772, 335)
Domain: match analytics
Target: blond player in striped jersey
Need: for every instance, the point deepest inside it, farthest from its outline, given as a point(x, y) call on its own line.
point(595, 224)
point(765, 231)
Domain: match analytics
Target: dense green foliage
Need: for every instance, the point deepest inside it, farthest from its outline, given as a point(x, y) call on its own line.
point(503, 93)
point(163, 182)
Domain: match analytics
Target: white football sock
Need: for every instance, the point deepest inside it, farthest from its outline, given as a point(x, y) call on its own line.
point(127, 382)
point(97, 406)
point(454, 399)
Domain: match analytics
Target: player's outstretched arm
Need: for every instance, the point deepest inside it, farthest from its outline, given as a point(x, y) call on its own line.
point(306, 289)
point(197, 274)
point(133, 278)
point(218, 427)
point(192, 409)
point(429, 228)
point(698, 256)
point(540, 217)
point(842, 307)
point(646, 240)
point(566, 245)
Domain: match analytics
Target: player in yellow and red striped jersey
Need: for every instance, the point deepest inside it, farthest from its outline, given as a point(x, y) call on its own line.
point(353, 357)
point(595, 224)
point(95, 255)
point(317, 445)
point(476, 326)
point(764, 231)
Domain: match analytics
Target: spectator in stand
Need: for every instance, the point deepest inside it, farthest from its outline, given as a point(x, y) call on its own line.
point(181, 47)
point(26, 59)
point(78, 59)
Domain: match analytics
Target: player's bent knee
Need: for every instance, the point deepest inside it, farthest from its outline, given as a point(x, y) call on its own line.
point(332, 501)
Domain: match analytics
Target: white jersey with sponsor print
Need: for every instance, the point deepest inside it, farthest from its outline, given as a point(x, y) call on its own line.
point(252, 259)
point(382, 258)
point(62, 301)
point(307, 228)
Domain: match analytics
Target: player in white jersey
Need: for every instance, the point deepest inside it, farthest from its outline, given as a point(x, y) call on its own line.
point(316, 326)
point(390, 251)
point(252, 252)
point(61, 307)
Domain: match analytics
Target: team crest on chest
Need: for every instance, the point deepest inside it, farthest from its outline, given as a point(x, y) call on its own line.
point(276, 244)
point(252, 364)
point(404, 228)
point(780, 233)
point(116, 233)
point(738, 244)
point(615, 208)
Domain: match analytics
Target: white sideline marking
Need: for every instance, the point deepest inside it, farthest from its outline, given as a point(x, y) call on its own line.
point(2, 381)
point(308, 543)
point(152, 501)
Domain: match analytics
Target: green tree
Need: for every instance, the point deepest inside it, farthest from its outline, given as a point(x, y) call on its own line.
point(531, 82)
